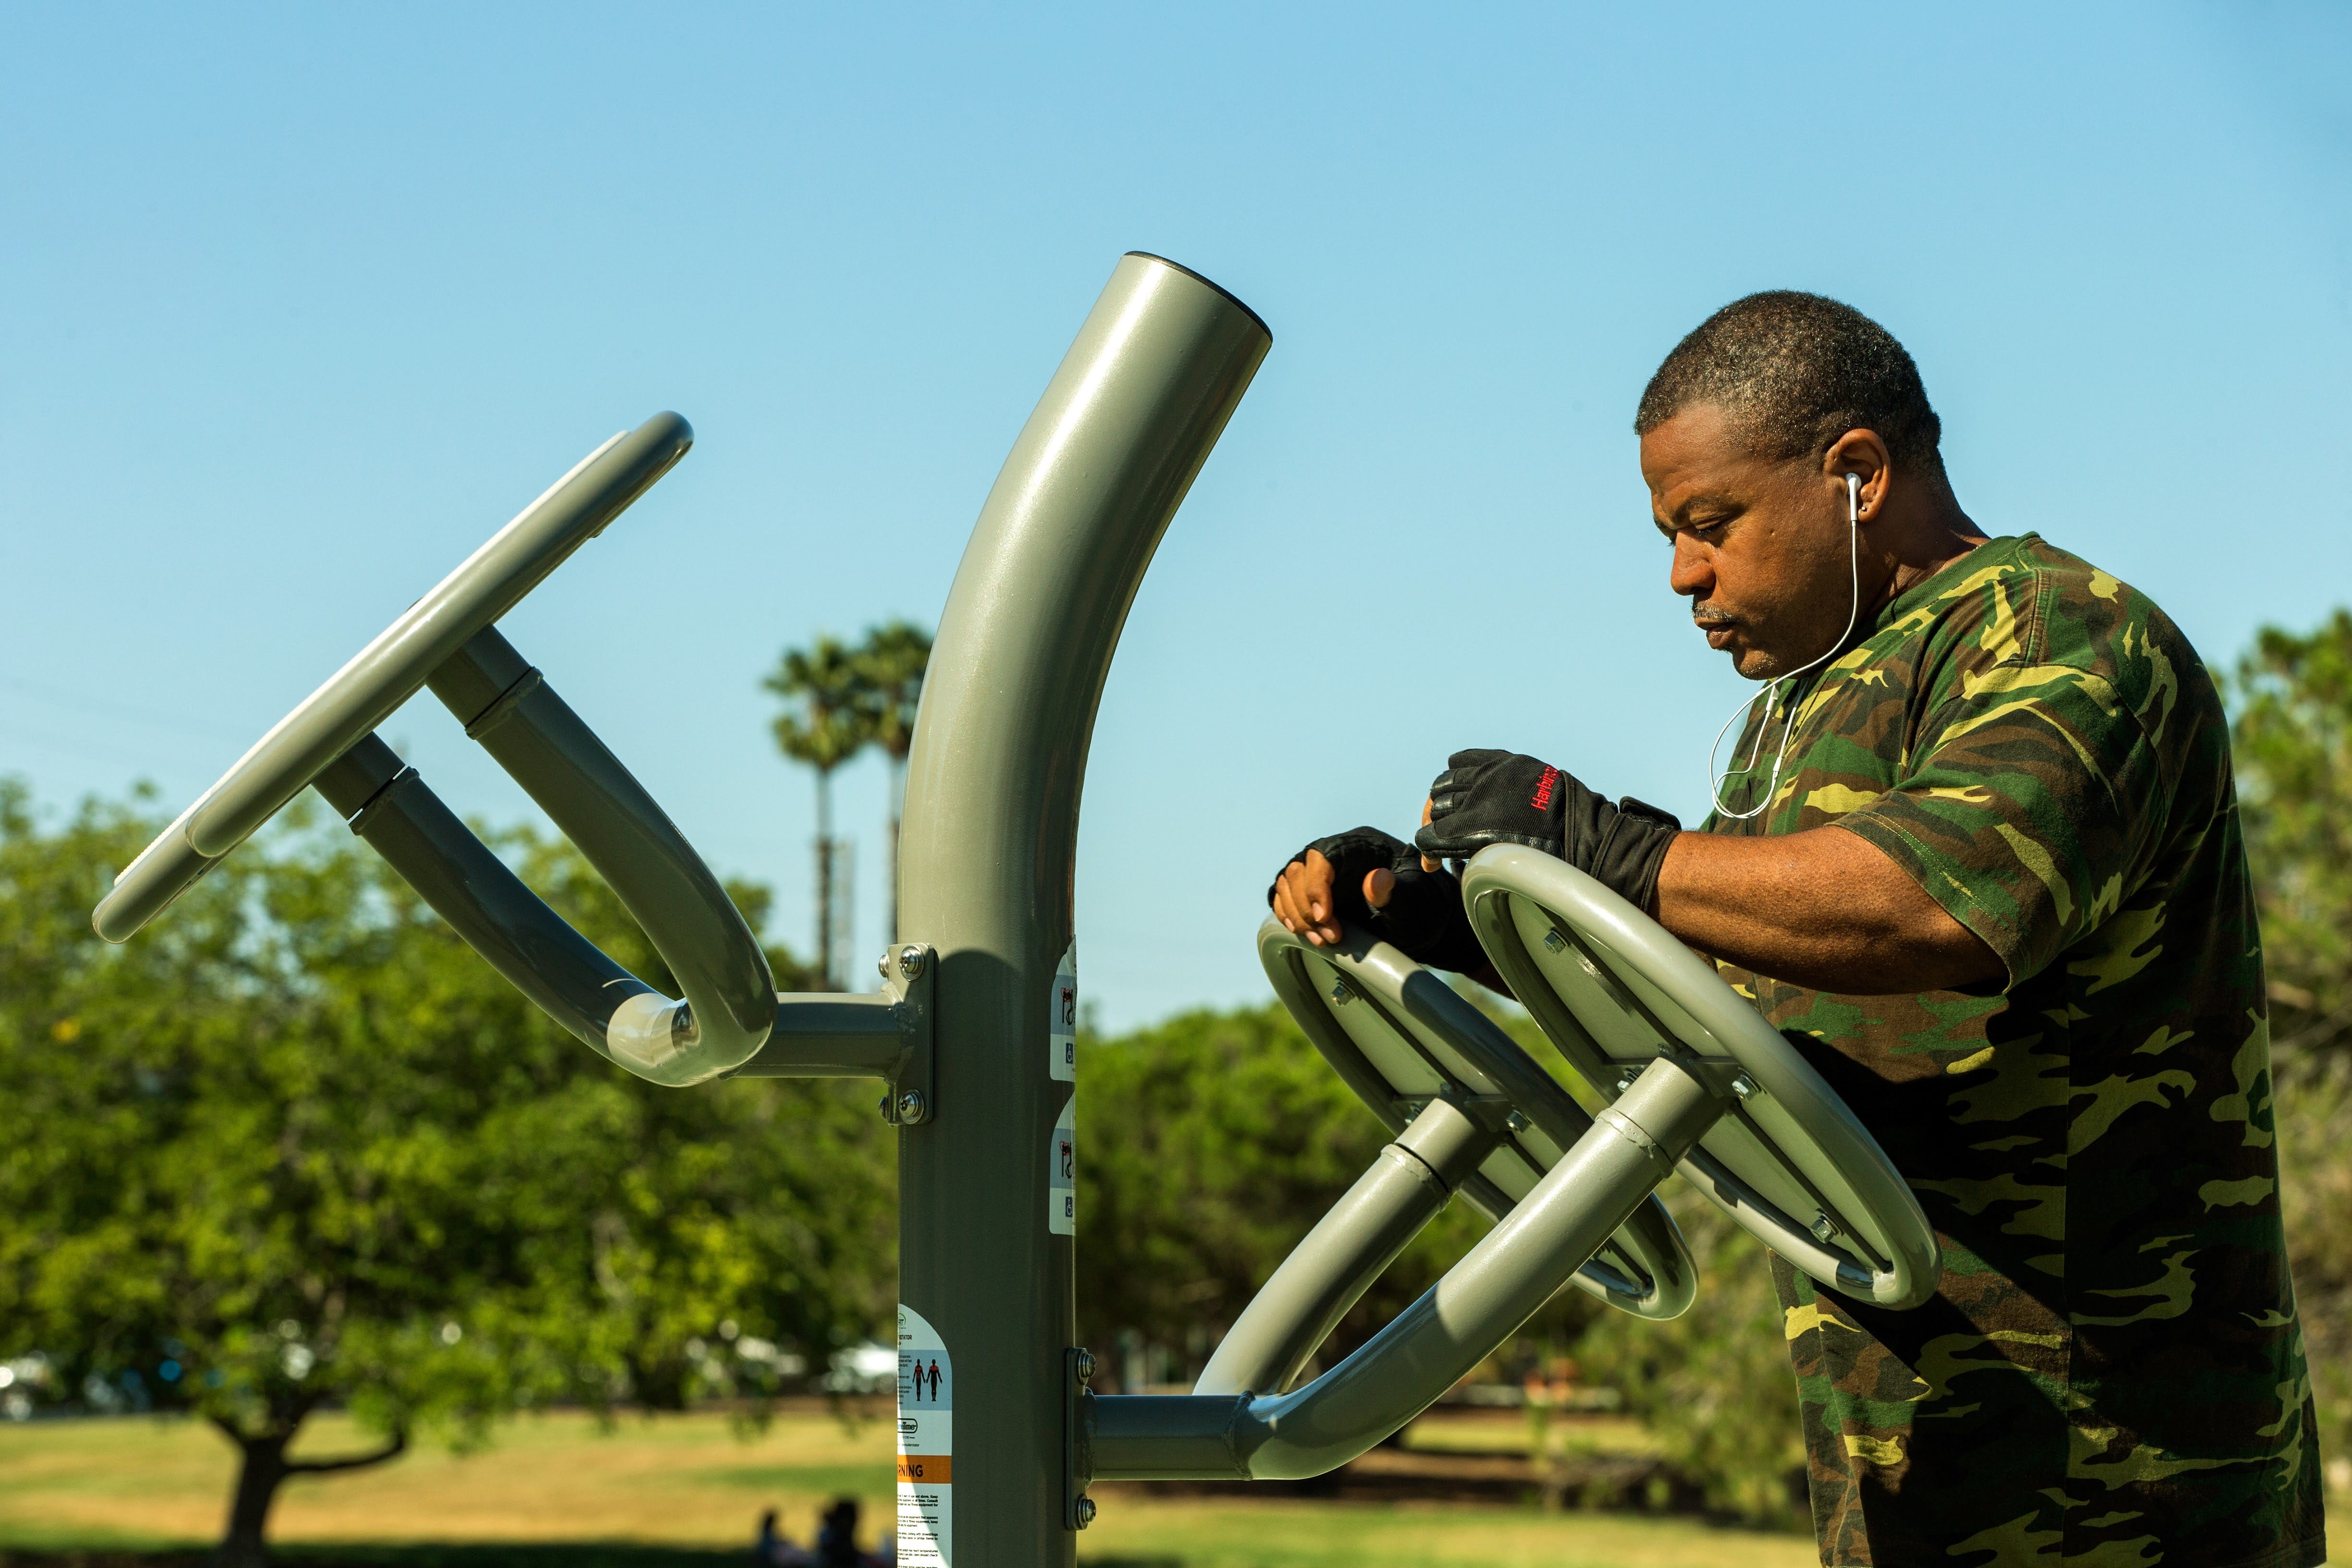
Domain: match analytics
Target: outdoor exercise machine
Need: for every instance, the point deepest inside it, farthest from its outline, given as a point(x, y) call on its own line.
point(973, 1030)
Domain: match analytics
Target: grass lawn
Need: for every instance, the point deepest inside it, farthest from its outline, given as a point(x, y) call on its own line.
point(686, 1490)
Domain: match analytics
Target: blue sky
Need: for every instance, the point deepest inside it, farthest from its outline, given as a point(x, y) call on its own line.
point(297, 305)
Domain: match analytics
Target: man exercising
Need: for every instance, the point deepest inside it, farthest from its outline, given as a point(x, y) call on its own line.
point(1977, 856)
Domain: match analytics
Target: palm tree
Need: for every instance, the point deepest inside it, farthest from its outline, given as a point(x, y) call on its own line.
point(890, 663)
point(825, 725)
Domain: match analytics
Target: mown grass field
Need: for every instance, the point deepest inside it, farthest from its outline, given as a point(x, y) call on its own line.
point(689, 1490)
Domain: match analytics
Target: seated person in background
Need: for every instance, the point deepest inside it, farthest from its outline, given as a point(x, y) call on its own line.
point(836, 1536)
point(1981, 863)
point(775, 1549)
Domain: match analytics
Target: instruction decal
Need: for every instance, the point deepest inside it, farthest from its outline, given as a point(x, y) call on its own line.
point(925, 1445)
point(1062, 1174)
point(1062, 1020)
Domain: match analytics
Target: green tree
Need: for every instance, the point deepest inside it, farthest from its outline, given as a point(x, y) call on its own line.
point(826, 721)
point(2292, 738)
point(2292, 741)
point(891, 664)
point(297, 1147)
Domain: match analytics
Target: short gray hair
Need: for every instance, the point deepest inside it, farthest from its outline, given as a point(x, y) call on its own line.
point(1794, 372)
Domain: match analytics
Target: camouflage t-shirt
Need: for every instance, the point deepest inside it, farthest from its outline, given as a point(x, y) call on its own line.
point(2112, 1373)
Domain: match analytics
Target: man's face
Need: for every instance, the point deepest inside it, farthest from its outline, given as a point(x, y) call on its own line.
point(1760, 548)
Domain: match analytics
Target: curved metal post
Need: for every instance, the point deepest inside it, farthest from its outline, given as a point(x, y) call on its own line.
point(987, 848)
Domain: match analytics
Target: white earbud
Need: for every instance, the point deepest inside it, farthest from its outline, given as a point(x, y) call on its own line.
point(1853, 561)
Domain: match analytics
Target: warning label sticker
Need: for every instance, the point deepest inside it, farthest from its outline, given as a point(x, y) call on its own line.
point(1062, 1016)
point(1062, 1174)
point(925, 1445)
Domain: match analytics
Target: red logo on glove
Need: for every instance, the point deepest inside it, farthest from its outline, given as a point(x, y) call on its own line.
point(1544, 788)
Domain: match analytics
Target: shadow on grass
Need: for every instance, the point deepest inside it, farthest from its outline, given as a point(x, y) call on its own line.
point(537, 1554)
point(534, 1556)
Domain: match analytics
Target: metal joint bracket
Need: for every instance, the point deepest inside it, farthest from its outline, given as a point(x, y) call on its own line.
point(503, 705)
point(1077, 1431)
point(914, 1092)
point(887, 1035)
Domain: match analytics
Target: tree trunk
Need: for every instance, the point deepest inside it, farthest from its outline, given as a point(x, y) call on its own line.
point(824, 966)
point(898, 801)
point(263, 1468)
point(257, 1478)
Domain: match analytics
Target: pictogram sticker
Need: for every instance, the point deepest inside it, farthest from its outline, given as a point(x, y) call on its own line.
point(1062, 1174)
point(925, 1445)
point(1062, 1020)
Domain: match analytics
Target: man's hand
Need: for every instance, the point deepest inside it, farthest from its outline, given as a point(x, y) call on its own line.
point(1303, 901)
point(1374, 880)
point(1487, 797)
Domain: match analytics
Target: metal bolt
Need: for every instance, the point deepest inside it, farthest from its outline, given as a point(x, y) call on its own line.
point(1743, 1086)
point(1085, 1511)
point(910, 962)
point(1626, 1080)
point(885, 1108)
point(1340, 994)
point(1085, 1366)
point(1516, 1122)
point(1554, 942)
point(882, 964)
point(910, 1107)
point(1822, 1229)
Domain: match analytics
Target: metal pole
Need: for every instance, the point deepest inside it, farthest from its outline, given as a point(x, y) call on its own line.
point(990, 839)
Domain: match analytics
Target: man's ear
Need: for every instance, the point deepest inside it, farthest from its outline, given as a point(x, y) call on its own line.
point(1861, 454)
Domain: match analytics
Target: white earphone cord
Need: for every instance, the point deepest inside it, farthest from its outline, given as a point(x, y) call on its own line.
point(1788, 727)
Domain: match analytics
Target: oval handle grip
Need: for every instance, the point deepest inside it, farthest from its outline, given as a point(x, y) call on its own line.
point(389, 670)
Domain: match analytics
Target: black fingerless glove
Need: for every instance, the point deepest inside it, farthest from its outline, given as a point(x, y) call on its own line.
point(1423, 918)
point(1499, 797)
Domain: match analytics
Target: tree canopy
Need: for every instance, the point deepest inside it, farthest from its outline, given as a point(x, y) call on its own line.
point(2294, 748)
point(296, 1145)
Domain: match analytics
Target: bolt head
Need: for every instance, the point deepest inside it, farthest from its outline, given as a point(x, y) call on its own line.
point(1085, 1361)
point(1340, 994)
point(885, 1108)
point(1085, 1511)
point(1743, 1086)
point(910, 1106)
point(910, 962)
point(882, 964)
point(1822, 1229)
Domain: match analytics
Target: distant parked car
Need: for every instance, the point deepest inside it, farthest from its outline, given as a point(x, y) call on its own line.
point(869, 1368)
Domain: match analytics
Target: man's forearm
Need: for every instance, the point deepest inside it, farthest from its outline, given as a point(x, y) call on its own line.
point(1822, 909)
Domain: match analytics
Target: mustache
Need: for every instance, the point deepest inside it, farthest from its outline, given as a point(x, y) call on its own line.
point(1707, 615)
